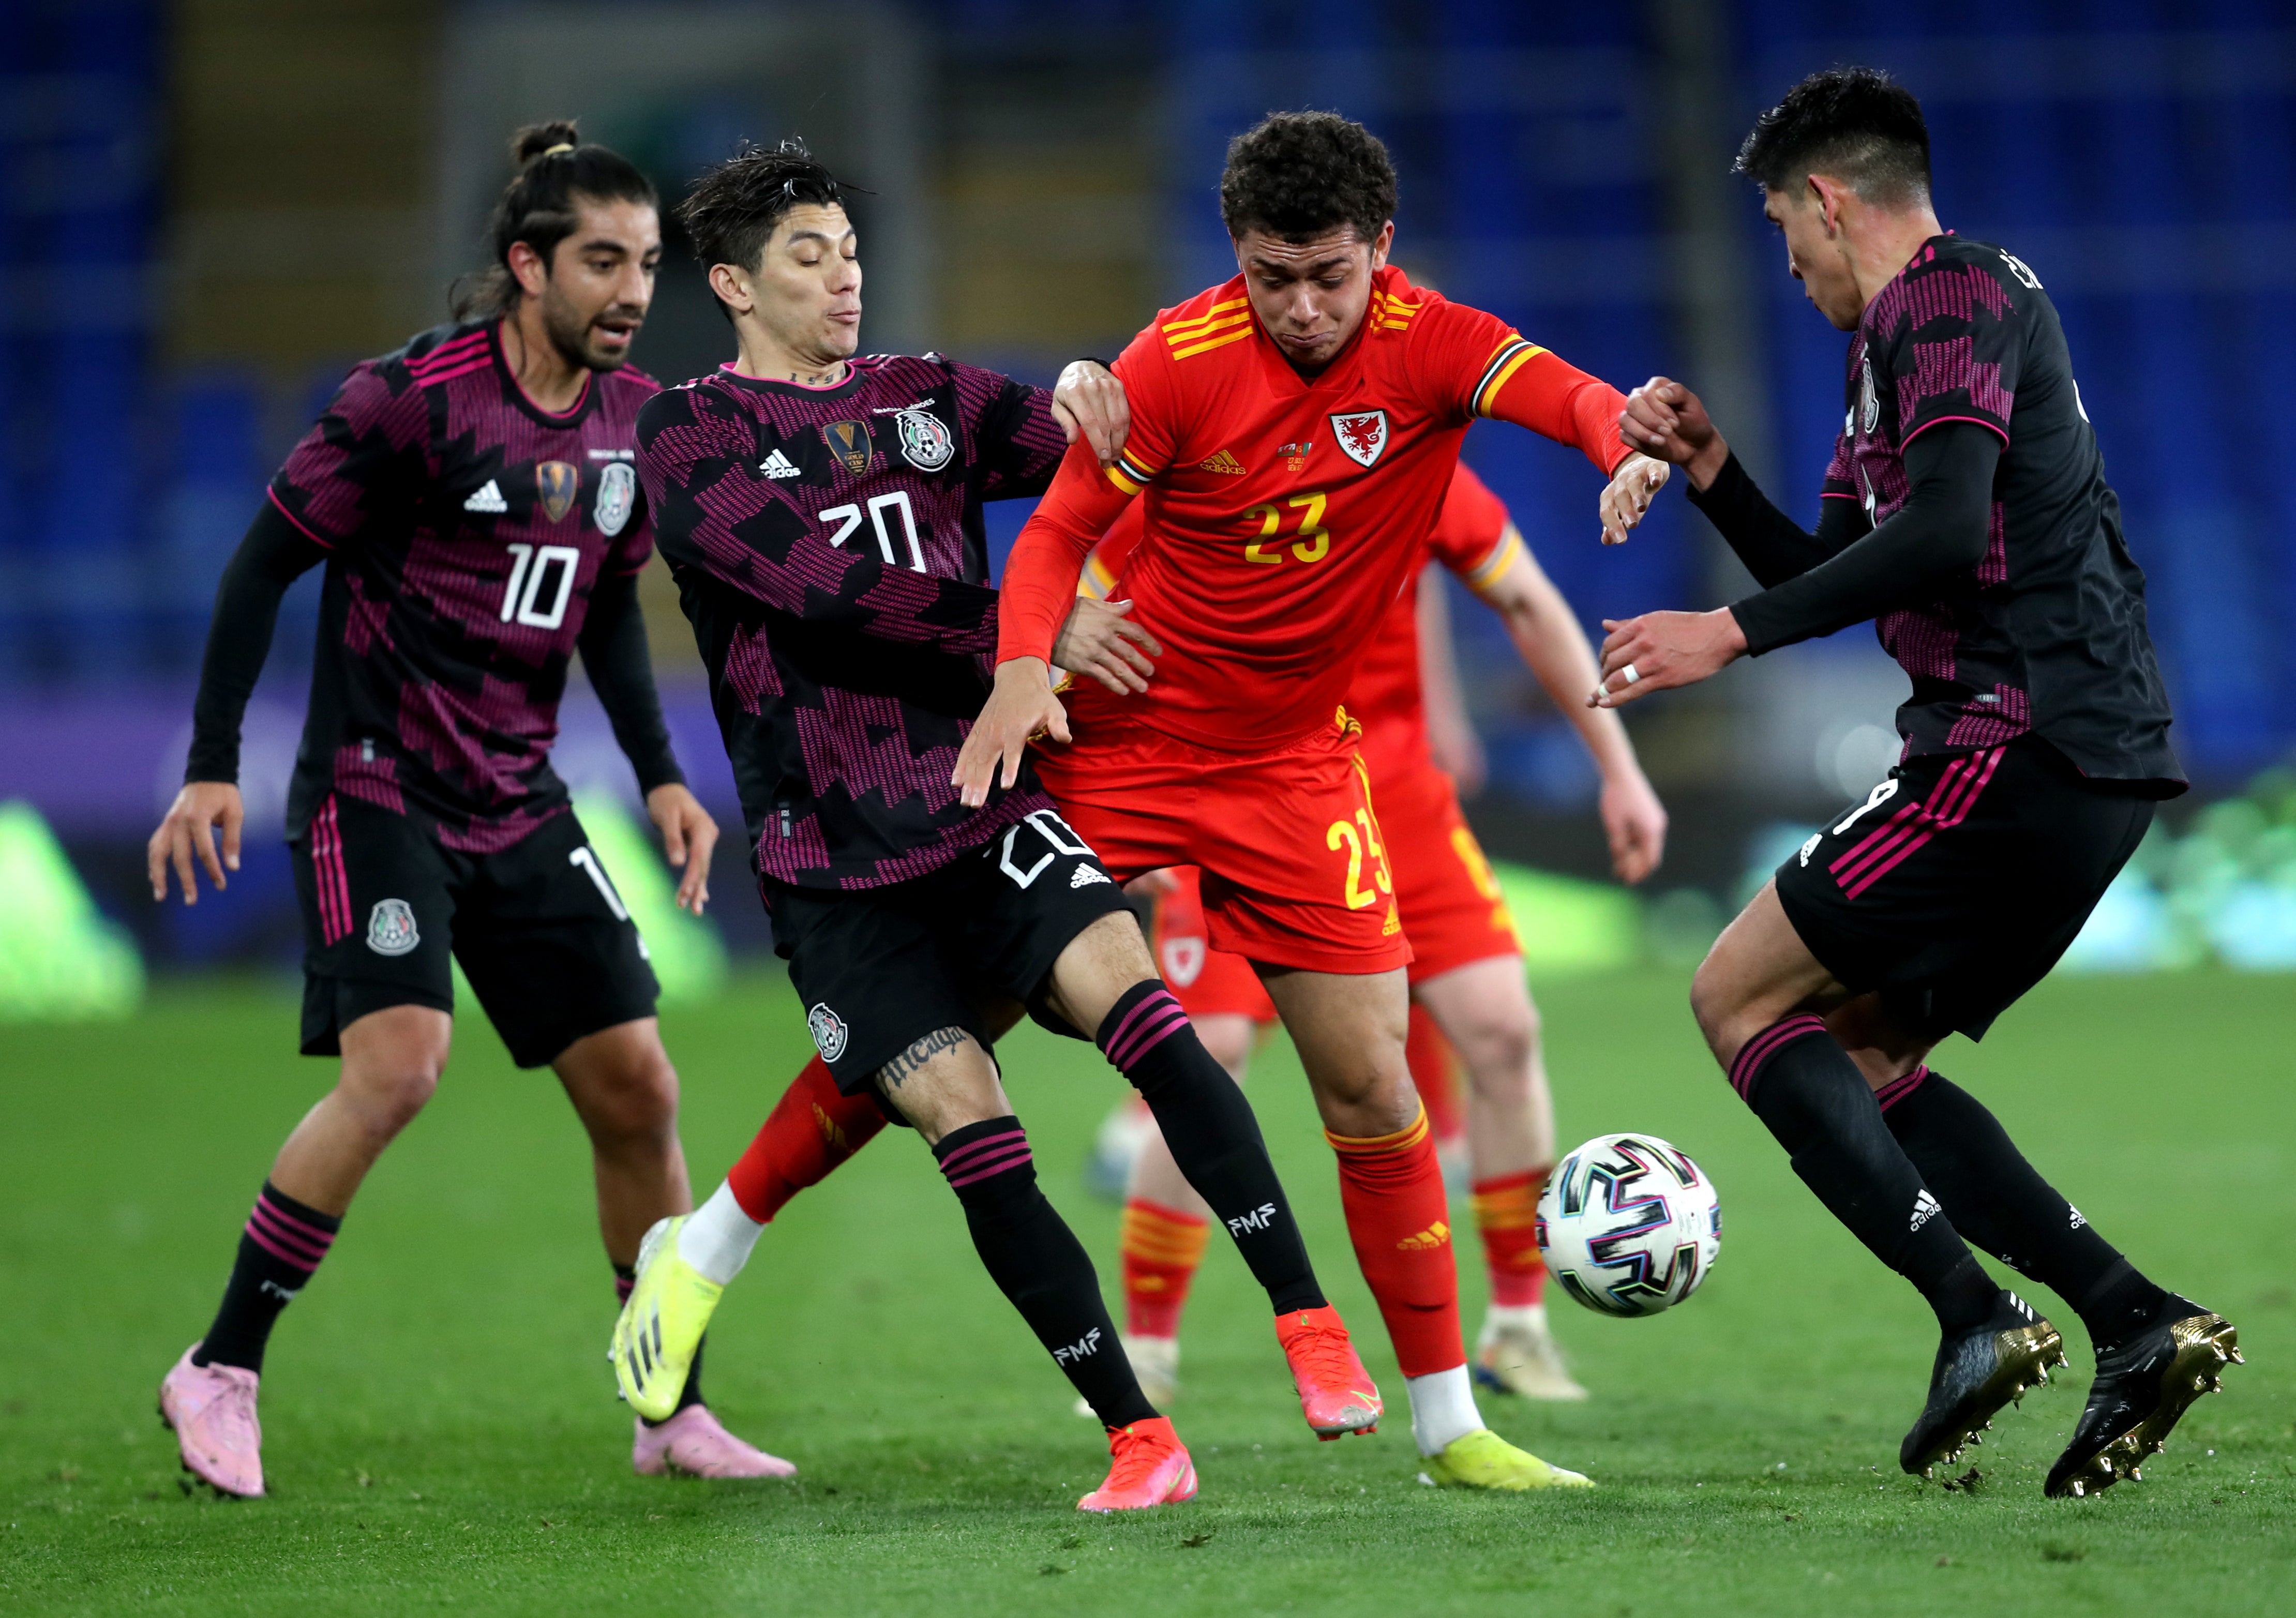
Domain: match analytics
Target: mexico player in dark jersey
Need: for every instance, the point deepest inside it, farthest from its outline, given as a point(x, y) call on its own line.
point(821, 515)
point(474, 501)
point(1966, 512)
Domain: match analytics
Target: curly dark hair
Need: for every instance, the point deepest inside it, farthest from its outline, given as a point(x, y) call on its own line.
point(730, 212)
point(1857, 123)
point(554, 168)
point(1298, 174)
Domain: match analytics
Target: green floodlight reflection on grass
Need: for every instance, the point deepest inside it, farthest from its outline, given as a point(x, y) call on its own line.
point(59, 960)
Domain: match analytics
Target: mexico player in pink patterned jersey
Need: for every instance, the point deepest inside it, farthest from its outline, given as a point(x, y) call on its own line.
point(474, 499)
point(822, 514)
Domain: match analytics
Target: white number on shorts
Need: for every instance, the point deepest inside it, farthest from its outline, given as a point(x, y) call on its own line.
point(1880, 796)
point(588, 862)
point(1057, 833)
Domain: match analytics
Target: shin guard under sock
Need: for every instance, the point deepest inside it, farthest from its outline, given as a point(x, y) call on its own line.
point(1213, 1136)
point(1810, 1095)
point(1036, 1260)
point(812, 1129)
point(1998, 1201)
point(1399, 1218)
point(279, 1250)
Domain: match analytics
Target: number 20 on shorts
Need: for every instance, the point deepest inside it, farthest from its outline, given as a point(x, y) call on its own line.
point(1310, 540)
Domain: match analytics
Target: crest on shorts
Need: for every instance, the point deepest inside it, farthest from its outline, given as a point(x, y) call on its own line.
point(390, 930)
point(1362, 436)
point(926, 442)
point(848, 441)
point(828, 1030)
point(618, 494)
point(557, 482)
point(1183, 960)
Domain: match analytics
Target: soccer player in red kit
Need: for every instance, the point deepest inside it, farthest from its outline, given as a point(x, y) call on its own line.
point(1293, 432)
point(1466, 977)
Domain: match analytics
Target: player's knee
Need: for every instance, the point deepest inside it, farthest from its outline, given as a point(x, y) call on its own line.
point(1496, 1046)
point(388, 1092)
point(640, 1102)
point(1722, 1008)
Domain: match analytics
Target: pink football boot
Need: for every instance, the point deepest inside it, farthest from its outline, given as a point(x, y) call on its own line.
point(212, 1409)
point(691, 1442)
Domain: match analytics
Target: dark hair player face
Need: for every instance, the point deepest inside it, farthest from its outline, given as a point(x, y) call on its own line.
point(1310, 295)
point(805, 288)
point(594, 291)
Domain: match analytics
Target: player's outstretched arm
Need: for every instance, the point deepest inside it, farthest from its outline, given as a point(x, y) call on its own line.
point(1932, 542)
point(1666, 420)
point(1547, 637)
point(274, 554)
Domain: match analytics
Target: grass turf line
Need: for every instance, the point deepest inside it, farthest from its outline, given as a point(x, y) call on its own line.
point(440, 1430)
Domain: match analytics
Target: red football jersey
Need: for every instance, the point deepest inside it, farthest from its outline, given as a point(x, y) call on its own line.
point(1473, 537)
point(1283, 514)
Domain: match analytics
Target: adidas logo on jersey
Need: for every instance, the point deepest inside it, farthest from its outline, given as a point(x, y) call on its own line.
point(1224, 463)
point(777, 465)
point(489, 500)
point(1085, 875)
point(1433, 1236)
point(1925, 1208)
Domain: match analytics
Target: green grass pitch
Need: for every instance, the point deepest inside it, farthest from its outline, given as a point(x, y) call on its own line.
point(441, 1434)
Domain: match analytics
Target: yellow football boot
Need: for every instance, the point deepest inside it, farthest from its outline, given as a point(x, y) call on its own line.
point(661, 1326)
point(1482, 1460)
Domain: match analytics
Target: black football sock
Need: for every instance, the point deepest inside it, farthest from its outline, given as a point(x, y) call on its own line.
point(278, 1251)
point(1035, 1259)
point(1214, 1136)
point(1810, 1095)
point(1998, 1201)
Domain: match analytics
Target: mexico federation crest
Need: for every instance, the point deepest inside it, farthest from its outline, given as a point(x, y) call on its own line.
point(557, 482)
point(926, 442)
point(618, 492)
point(391, 930)
point(848, 441)
point(1362, 436)
point(828, 1030)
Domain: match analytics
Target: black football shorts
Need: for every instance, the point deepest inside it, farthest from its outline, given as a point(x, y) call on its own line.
point(541, 934)
point(878, 968)
point(1957, 883)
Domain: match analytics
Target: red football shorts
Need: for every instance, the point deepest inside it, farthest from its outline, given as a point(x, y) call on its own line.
point(1207, 982)
point(1453, 911)
point(1294, 873)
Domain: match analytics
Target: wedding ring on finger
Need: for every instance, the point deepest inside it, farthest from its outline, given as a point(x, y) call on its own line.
point(1630, 673)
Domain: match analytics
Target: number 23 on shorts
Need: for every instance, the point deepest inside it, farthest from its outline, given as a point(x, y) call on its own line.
point(1341, 834)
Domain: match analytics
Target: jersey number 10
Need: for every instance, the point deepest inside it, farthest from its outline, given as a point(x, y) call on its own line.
point(531, 570)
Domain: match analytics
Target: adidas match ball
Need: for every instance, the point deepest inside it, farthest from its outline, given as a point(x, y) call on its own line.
point(1629, 1225)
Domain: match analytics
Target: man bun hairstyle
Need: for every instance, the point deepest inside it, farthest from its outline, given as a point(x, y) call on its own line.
point(730, 212)
point(1299, 174)
point(1857, 124)
point(540, 207)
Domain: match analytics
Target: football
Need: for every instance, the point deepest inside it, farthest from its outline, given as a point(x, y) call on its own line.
point(1629, 1225)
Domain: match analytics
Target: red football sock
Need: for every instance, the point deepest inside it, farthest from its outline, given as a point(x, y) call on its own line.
point(1392, 1189)
point(1161, 1248)
point(1435, 1070)
point(1506, 1212)
point(812, 1130)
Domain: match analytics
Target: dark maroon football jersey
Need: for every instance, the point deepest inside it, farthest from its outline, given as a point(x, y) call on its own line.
point(828, 546)
point(465, 527)
point(2047, 633)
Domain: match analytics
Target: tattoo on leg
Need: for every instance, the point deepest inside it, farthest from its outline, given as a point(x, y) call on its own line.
point(918, 1054)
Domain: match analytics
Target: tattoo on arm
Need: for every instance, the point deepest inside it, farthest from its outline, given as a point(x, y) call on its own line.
point(918, 1054)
